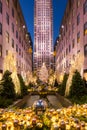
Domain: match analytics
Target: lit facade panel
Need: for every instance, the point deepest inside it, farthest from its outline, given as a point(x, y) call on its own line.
point(43, 33)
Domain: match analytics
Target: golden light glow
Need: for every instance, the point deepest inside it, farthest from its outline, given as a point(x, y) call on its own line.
point(85, 32)
point(43, 73)
point(30, 50)
point(78, 40)
point(54, 53)
point(76, 64)
point(0, 76)
point(10, 64)
point(85, 76)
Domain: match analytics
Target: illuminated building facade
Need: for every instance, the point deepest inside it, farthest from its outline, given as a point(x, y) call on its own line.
point(43, 33)
point(14, 37)
point(72, 39)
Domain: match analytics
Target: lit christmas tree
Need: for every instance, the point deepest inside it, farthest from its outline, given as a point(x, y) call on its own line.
point(76, 64)
point(43, 74)
point(10, 65)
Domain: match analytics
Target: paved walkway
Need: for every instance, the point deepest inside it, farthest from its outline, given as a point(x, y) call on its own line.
point(53, 101)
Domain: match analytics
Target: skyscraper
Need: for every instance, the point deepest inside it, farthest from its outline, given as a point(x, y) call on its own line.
point(43, 33)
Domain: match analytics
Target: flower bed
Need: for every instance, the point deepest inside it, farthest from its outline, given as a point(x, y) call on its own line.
point(73, 117)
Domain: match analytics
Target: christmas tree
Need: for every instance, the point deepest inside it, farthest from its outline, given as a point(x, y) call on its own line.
point(43, 73)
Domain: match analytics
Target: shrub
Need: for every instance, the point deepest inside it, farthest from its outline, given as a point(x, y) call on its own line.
point(77, 88)
point(63, 85)
point(8, 86)
point(22, 85)
point(4, 102)
point(55, 83)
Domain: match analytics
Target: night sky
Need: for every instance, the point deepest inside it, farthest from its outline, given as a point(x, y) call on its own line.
point(58, 12)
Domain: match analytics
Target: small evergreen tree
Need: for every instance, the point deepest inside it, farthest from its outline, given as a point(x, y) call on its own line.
point(63, 85)
point(8, 86)
point(22, 85)
point(55, 83)
point(77, 88)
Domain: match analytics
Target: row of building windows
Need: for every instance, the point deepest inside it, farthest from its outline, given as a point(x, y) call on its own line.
point(78, 18)
point(7, 35)
point(68, 50)
point(7, 1)
point(7, 18)
point(68, 61)
point(85, 7)
point(0, 7)
point(78, 37)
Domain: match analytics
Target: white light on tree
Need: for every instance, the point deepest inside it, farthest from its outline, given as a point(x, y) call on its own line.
point(43, 73)
point(76, 64)
point(10, 64)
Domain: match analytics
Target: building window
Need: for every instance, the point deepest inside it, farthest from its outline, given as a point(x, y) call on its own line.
point(12, 27)
point(0, 29)
point(0, 7)
point(78, 37)
point(78, 3)
point(85, 50)
point(17, 34)
point(12, 43)
point(7, 18)
point(7, 2)
point(66, 27)
point(73, 12)
point(85, 28)
point(6, 52)
point(67, 51)
point(78, 19)
point(19, 51)
point(73, 43)
point(22, 54)
point(0, 50)
point(78, 51)
point(7, 37)
point(73, 26)
point(16, 48)
point(85, 7)
point(19, 39)
point(69, 48)
point(13, 12)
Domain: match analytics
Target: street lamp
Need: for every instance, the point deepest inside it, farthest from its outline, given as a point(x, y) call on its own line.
point(62, 26)
point(23, 26)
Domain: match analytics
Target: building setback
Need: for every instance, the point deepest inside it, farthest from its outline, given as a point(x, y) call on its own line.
point(14, 37)
point(43, 33)
point(72, 40)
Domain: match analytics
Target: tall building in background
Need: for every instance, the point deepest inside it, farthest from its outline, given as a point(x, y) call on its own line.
point(43, 33)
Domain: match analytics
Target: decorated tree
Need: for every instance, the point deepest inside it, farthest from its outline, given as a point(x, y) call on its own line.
point(76, 64)
point(43, 73)
point(10, 65)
